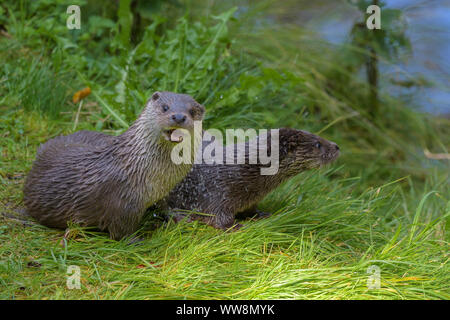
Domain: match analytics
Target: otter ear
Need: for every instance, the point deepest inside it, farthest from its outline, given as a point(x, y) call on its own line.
point(202, 109)
point(155, 96)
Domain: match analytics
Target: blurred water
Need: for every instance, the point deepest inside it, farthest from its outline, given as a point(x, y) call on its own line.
point(429, 33)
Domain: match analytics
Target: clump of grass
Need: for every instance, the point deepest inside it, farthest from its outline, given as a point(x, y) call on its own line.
point(28, 86)
point(317, 245)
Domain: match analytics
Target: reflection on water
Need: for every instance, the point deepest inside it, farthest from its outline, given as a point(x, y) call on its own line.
point(429, 33)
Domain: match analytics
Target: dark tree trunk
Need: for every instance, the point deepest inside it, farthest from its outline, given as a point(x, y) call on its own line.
point(372, 75)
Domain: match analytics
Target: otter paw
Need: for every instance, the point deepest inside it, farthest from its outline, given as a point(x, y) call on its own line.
point(237, 227)
point(176, 217)
point(233, 228)
point(262, 215)
point(135, 241)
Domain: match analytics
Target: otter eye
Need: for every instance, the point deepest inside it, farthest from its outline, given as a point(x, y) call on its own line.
point(318, 145)
point(165, 107)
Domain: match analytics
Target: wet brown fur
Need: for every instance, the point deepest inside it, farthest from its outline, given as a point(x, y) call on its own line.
point(106, 181)
point(222, 190)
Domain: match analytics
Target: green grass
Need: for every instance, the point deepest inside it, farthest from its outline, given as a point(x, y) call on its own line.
point(382, 204)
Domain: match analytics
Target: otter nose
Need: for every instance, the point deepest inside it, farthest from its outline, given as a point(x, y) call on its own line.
point(336, 147)
point(179, 118)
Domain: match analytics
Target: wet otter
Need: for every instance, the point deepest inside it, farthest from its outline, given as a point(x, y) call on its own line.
point(221, 190)
point(106, 181)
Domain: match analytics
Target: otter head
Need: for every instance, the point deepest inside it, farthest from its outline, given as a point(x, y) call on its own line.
point(171, 111)
point(301, 150)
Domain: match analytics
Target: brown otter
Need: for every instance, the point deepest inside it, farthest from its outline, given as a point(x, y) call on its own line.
point(106, 181)
point(222, 190)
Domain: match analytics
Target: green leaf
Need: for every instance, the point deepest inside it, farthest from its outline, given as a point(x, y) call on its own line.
point(125, 22)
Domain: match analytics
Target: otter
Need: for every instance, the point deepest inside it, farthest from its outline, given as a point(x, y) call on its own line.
point(107, 182)
point(221, 191)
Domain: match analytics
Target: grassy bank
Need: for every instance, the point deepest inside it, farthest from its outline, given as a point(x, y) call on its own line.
point(384, 203)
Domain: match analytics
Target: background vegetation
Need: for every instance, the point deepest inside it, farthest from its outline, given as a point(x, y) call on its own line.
point(383, 203)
